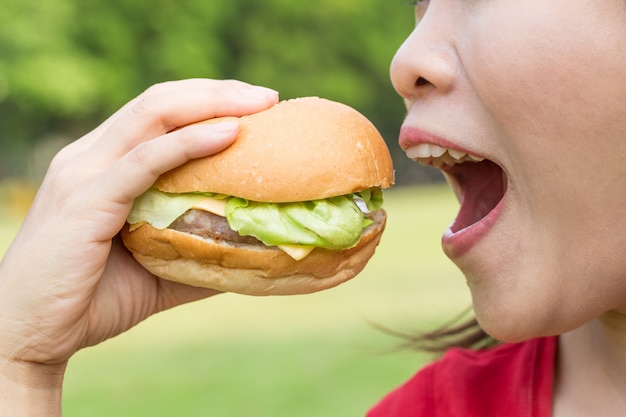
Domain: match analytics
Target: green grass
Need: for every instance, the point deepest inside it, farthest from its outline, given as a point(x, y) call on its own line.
point(310, 355)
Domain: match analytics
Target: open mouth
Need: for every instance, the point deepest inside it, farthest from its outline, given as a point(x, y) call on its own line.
point(478, 183)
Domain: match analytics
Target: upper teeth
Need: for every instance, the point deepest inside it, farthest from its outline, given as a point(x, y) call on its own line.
point(429, 154)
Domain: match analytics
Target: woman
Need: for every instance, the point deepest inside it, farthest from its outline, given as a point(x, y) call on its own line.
point(538, 90)
point(535, 90)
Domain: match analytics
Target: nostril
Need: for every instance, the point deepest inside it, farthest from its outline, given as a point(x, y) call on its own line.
point(421, 81)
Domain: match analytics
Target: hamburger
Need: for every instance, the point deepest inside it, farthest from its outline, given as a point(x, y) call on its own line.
point(293, 206)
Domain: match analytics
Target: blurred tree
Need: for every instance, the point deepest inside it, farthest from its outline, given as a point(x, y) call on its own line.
point(65, 65)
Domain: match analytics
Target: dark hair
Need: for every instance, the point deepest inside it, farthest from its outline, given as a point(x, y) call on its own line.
point(460, 332)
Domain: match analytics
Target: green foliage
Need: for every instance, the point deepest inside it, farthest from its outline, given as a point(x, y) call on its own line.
point(66, 64)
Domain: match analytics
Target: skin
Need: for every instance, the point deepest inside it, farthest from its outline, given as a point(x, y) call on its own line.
point(538, 87)
point(93, 290)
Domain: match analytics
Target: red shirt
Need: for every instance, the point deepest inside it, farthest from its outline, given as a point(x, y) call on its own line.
point(511, 380)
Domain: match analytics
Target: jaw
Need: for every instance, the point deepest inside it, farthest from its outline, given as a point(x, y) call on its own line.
point(488, 241)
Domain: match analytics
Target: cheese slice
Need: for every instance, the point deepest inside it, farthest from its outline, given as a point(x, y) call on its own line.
point(295, 251)
point(135, 226)
point(212, 205)
point(217, 206)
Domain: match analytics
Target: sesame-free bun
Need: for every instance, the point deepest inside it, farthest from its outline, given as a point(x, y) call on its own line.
point(298, 150)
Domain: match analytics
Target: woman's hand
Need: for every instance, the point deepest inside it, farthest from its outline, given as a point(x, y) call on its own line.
point(66, 282)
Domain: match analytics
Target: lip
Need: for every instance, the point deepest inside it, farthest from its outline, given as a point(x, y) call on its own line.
point(455, 242)
point(411, 136)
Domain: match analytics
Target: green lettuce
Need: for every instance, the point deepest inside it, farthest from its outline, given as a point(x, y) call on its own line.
point(332, 223)
point(160, 209)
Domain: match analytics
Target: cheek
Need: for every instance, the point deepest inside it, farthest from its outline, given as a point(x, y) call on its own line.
point(522, 74)
point(555, 92)
point(562, 65)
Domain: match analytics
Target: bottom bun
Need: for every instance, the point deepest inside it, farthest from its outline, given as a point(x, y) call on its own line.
point(248, 269)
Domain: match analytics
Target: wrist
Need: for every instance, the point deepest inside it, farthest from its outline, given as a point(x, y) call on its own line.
point(30, 389)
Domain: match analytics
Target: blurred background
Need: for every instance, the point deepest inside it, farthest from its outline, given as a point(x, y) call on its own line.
point(66, 65)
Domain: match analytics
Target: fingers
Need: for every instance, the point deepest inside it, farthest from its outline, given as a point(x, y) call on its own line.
point(122, 147)
point(167, 106)
point(119, 160)
point(138, 169)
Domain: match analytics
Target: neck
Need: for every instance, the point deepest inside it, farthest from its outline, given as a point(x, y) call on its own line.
point(590, 377)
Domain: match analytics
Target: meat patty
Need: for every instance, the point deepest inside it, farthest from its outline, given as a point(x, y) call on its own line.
point(210, 226)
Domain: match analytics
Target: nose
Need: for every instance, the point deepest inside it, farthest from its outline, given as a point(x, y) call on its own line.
point(427, 61)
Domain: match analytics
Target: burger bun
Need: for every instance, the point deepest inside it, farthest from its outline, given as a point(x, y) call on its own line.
point(298, 150)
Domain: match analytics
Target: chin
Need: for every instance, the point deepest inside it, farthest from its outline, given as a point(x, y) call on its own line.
point(513, 305)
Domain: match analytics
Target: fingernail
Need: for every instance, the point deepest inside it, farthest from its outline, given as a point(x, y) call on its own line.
point(259, 92)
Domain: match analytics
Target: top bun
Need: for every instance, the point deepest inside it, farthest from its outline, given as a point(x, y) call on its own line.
point(298, 150)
